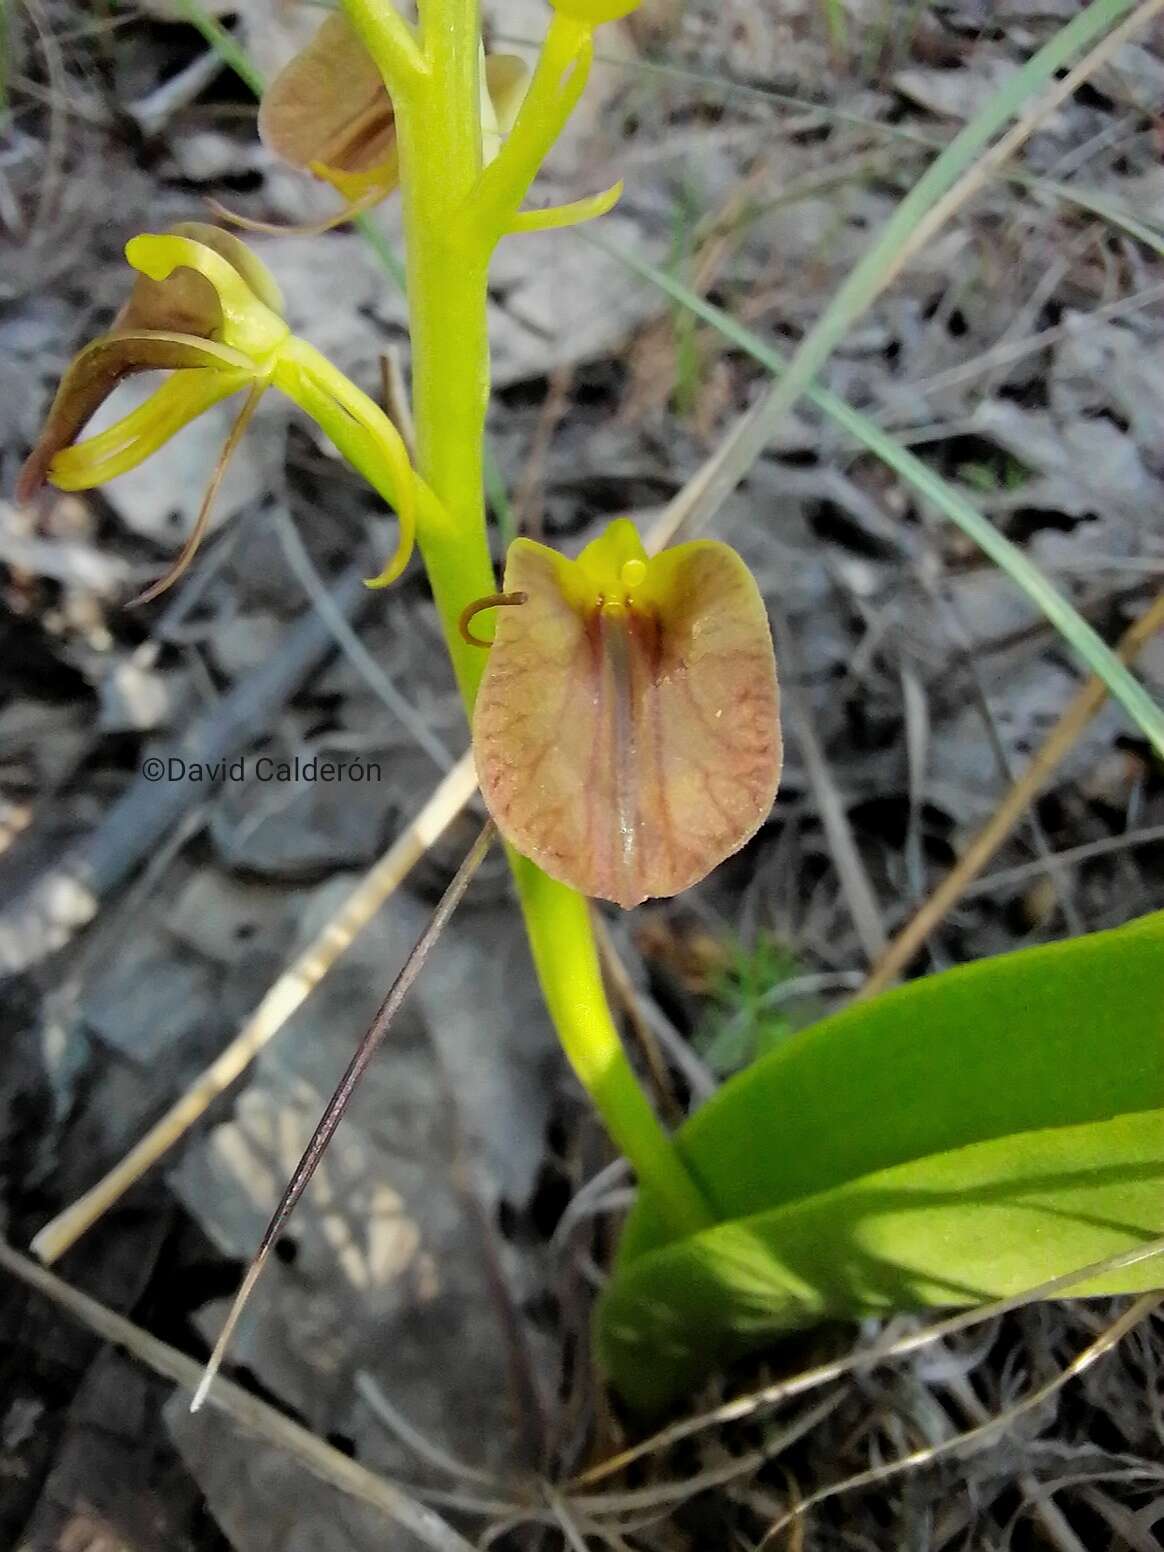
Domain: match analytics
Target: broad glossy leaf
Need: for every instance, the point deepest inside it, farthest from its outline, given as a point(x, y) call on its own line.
point(957, 1228)
point(627, 732)
point(1065, 1037)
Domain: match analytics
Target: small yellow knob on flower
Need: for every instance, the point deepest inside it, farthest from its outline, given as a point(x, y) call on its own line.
point(207, 310)
point(595, 11)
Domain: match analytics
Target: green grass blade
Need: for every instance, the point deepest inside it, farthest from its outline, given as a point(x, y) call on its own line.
point(869, 275)
point(795, 377)
point(950, 501)
point(224, 43)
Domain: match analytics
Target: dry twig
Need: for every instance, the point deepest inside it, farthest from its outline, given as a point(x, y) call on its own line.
point(287, 994)
point(328, 1464)
point(773, 1395)
point(985, 1433)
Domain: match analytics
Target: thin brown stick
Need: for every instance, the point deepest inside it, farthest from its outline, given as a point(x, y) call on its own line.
point(345, 1089)
point(295, 228)
point(856, 885)
point(1055, 747)
point(394, 392)
point(256, 1416)
point(552, 411)
point(285, 996)
point(198, 532)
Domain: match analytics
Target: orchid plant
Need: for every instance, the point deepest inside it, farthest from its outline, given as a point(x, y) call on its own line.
point(625, 718)
point(918, 1149)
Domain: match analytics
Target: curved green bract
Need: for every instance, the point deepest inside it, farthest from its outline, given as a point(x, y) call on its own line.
point(963, 1137)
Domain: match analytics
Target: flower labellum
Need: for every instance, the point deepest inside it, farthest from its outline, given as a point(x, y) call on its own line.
point(627, 731)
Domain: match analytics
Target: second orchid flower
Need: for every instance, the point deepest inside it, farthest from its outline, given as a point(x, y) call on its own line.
point(208, 311)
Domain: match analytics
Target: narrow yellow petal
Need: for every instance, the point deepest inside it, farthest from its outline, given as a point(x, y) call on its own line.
point(573, 214)
point(94, 374)
point(121, 447)
point(363, 434)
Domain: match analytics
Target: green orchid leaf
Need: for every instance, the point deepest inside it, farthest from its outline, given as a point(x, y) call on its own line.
point(963, 1137)
point(957, 1228)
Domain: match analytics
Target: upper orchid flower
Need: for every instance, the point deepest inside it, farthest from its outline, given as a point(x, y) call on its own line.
point(328, 112)
point(208, 311)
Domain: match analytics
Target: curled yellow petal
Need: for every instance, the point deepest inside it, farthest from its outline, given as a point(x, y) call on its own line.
point(128, 442)
point(627, 731)
point(94, 374)
point(406, 516)
point(183, 301)
point(362, 433)
point(577, 211)
point(241, 258)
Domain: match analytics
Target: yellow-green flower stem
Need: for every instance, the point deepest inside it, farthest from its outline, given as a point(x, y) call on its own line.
point(558, 81)
point(454, 215)
point(561, 939)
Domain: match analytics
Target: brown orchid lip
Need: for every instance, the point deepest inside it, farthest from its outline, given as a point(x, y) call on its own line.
point(627, 733)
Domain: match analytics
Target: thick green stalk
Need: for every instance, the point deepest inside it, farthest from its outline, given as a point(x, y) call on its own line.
point(449, 245)
point(561, 938)
point(440, 153)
